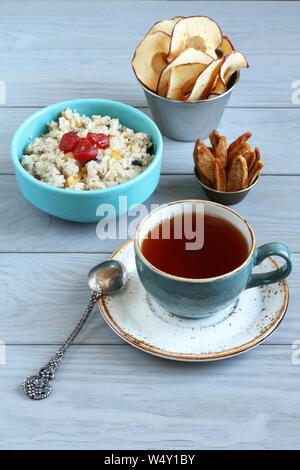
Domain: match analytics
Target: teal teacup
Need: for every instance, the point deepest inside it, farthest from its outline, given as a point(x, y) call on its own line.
point(199, 298)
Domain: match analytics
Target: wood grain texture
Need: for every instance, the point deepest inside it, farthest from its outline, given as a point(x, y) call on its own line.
point(275, 131)
point(57, 64)
point(116, 397)
point(270, 208)
point(52, 294)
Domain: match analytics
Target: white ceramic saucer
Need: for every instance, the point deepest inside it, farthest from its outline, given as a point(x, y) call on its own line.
point(140, 321)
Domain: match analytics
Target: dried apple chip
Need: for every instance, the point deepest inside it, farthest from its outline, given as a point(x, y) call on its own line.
point(250, 158)
point(150, 58)
point(236, 143)
point(214, 137)
point(220, 176)
point(232, 63)
point(257, 153)
point(189, 56)
point(242, 149)
point(258, 165)
point(237, 176)
point(204, 160)
point(226, 46)
point(219, 147)
point(199, 32)
point(182, 79)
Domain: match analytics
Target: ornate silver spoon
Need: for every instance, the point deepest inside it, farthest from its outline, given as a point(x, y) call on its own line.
point(105, 278)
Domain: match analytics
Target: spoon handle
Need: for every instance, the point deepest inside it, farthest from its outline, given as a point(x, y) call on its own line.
point(37, 386)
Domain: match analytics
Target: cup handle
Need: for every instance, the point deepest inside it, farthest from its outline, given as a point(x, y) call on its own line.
point(262, 252)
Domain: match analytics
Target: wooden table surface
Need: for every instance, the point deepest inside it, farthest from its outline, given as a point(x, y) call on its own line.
point(109, 395)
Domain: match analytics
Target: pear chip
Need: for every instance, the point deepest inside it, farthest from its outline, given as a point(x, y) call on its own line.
point(219, 147)
point(199, 32)
point(237, 178)
point(204, 161)
point(220, 176)
point(189, 56)
point(150, 58)
point(181, 81)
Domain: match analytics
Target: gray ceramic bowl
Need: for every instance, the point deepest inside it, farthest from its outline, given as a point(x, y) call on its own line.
point(226, 198)
point(187, 122)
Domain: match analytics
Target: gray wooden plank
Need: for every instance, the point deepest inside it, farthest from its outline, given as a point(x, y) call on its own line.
point(42, 296)
point(279, 148)
point(270, 208)
point(63, 59)
point(116, 397)
point(110, 395)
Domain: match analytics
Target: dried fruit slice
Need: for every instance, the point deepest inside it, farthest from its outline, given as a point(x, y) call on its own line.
point(101, 141)
point(258, 165)
point(226, 46)
point(214, 137)
point(204, 160)
point(257, 153)
point(218, 87)
point(232, 63)
point(220, 176)
point(150, 58)
point(182, 79)
point(219, 145)
point(199, 32)
point(250, 159)
point(165, 26)
point(237, 176)
point(236, 143)
point(242, 149)
point(189, 56)
point(68, 142)
point(205, 81)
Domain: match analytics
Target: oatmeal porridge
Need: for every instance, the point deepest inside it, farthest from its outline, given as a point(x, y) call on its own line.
point(86, 153)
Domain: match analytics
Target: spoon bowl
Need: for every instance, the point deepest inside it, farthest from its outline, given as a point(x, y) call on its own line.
point(109, 276)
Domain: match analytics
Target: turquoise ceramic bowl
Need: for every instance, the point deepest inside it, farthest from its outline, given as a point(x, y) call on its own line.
point(81, 206)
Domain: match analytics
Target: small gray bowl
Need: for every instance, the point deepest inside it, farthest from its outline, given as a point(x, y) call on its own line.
point(227, 198)
point(180, 120)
